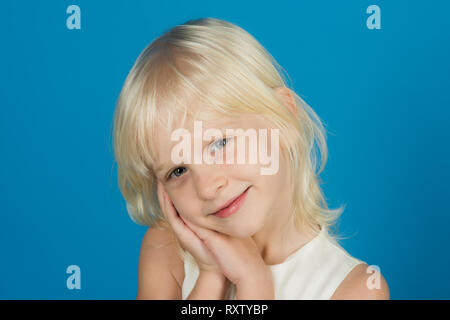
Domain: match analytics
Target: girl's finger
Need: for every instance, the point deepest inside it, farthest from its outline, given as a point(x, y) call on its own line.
point(214, 240)
point(176, 222)
point(172, 215)
point(167, 207)
point(162, 202)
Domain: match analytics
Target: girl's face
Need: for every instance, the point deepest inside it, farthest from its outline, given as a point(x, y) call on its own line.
point(198, 190)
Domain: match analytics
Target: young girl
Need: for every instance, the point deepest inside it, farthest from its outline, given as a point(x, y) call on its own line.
point(227, 229)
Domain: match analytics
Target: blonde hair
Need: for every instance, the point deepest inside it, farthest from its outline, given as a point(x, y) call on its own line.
point(228, 70)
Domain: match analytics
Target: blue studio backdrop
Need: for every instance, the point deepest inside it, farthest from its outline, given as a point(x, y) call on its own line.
point(382, 93)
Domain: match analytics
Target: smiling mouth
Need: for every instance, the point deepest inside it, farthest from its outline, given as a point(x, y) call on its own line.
point(232, 206)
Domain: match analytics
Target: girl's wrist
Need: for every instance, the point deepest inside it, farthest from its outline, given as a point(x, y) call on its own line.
point(213, 275)
point(256, 287)
point(210, 285)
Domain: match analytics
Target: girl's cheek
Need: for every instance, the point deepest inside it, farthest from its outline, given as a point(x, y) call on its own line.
point(188, 218)
point(181, 212)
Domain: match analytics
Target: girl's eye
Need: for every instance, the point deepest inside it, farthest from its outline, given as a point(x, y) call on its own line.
point(219, 144)
point(177, 172)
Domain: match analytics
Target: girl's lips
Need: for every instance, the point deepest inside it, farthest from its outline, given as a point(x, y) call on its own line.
point(234, 206)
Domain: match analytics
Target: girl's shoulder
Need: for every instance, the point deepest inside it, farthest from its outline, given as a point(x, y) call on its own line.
point(158, 254)
point(361, 285)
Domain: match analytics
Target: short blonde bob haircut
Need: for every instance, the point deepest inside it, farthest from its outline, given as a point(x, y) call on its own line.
point(228, 70)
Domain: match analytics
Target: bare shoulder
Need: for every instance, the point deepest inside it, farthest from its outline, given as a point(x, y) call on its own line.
point(161, 270)
point(156, 237)
point(362, 283)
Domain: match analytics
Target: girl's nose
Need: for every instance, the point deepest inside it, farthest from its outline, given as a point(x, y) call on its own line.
point(209, 181)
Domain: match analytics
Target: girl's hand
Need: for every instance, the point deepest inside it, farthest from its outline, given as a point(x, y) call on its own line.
point(238, 258)
point(187, 238)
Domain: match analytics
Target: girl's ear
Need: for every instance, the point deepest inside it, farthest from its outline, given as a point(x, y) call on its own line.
point(287, 98)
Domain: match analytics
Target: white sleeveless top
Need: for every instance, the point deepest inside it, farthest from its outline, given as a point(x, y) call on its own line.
point(313, 272)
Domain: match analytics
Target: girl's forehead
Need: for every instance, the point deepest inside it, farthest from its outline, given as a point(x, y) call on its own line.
point(211, 120)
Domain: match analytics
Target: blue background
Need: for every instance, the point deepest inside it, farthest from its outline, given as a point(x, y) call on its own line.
point(382, 94)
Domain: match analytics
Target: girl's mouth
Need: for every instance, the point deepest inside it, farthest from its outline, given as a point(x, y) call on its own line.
point(233, 207)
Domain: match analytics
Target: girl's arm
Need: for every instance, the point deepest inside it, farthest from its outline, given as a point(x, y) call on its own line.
point(210, 285)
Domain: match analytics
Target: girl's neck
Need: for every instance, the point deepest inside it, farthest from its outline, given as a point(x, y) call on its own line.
point(281, 240)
